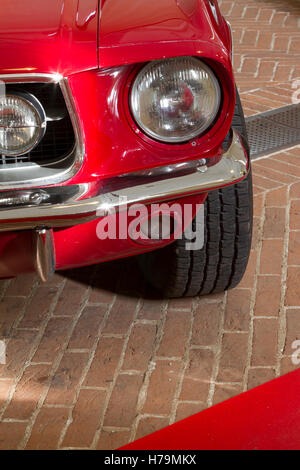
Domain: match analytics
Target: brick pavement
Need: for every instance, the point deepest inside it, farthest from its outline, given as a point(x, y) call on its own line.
point(95, 360)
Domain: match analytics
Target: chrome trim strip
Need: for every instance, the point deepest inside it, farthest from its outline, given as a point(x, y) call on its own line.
point(31, 77)
point(232, 44)
point(62, 174)
point(114, 193)
point(44, 254)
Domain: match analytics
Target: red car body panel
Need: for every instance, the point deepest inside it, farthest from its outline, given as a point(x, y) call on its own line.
point(77, 240)
point(98, 47)
point(57, 36)
point(114, 146)
point(79, 245)
point(140, 30)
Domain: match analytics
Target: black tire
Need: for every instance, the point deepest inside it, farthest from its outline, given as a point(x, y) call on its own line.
point(221, 263)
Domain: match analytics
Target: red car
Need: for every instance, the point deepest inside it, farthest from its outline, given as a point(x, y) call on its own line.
point(122, 133)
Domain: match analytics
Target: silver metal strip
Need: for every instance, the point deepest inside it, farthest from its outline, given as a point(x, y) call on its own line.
point(232, 43)
point(115, 193)
point(31, 77)
point(50, 175)
point(44, 254)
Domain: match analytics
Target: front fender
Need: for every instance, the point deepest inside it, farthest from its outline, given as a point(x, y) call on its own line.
point(142, 30)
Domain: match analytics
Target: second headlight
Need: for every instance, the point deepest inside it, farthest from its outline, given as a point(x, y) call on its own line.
point(175, 100)
point(22, 123)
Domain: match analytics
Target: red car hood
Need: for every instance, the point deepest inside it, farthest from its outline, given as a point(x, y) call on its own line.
point(140, 30)
point(56, 36)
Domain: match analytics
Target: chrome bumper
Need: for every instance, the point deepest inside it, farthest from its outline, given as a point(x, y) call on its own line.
point(72, 205)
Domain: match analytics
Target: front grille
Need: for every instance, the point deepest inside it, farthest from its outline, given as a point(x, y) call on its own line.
point(59, 140)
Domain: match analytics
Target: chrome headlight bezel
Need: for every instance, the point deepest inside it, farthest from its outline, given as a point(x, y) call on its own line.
point(38, 111)
point(199, 130)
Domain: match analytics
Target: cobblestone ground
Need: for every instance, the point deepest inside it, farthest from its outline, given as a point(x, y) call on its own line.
point(94, 361)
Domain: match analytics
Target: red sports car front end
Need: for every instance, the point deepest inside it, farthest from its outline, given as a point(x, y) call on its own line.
point(107, 106)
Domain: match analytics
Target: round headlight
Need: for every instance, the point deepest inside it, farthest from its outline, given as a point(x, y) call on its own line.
point(22, 123)
point(175, 100)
